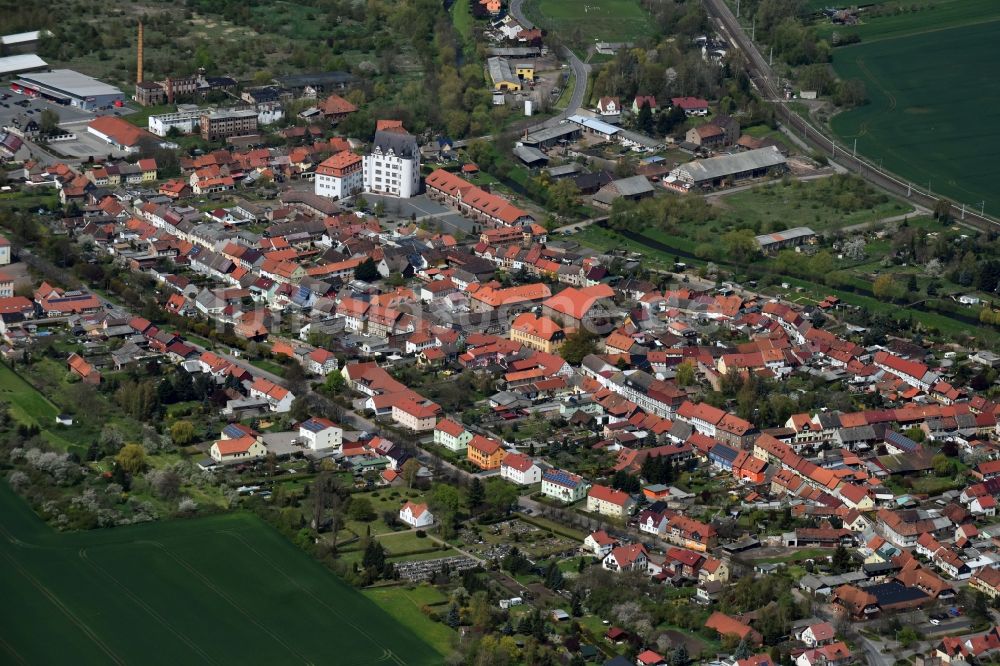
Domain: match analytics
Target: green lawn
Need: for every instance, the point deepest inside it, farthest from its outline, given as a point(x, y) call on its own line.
point(592, 20)
point(785, 203)
point(401, 543)
point(269, 366)
point(142, 113)
point(404, 605)
point(30, 199)
point(30, 407)
point(461, 17)
point(912, 124)
point(224, 589)
point(26, 404)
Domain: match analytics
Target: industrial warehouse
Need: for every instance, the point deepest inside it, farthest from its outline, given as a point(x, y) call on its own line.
point(64, 86)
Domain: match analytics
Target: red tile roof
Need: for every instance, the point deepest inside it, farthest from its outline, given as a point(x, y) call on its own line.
point(610, 495)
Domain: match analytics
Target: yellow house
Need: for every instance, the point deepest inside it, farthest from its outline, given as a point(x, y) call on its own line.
point(241, 448)
point(538, 333)
point(485, 453)
point(713, 570)
point(987, 581)
point(149, 170)
point(525, 71)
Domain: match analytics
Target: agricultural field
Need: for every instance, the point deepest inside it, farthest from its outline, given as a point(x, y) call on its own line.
point(591, 21)
point(213, 590)
point(912, 124)
point(889, 19)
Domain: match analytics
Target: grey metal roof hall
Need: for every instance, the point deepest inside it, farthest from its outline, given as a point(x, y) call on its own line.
point(719, 167)
point(548, 134)
point(786, 235)
point(530, 155)
point(633, 186)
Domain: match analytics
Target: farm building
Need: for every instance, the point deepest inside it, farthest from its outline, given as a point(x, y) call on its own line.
point(787, 238)
point(715, 171)
point(532, 157)
point(633, 189)
point(503, 75)
point(550, 136)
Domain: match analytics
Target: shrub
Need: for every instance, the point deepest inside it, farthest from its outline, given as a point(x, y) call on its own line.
point(421, 534)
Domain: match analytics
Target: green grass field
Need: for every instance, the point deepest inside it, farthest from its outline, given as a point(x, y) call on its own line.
point(930, 16)
point(908, 61)
point(404, 605)
point(591, 21)
point(26, 404)
point(933, 98)
point(225, 589)
point(30, 407)
point(778, 203)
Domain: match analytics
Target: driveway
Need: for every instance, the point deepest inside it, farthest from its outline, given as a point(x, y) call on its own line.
point(581, 72)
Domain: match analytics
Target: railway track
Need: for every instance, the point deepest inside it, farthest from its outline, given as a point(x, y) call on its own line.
point(762, 76)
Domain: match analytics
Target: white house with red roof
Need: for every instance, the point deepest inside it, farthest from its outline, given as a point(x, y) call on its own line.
point(520, 469)
point(692, 106)
point(609, 106)
point(321, 362)
point(319, 433)
point(4, 251)
point(818, 634)
point(833, 654)
point(983, 506)
point(451, 435)
point(416, 515)
point(278, 398)
point(238, 449)
point(599, 543)
point(914, 373)
point(632, 557)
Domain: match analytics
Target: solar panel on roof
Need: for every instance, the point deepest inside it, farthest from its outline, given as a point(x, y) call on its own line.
point(233, 431)
point(562, 478)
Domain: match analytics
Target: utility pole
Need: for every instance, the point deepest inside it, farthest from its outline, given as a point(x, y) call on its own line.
point(982, 207)
point(737, 8)
point(753, 30)
point(770, 57)
point(834, 144)
point(963, 211)
point(928, 188)
point(909, 189)
point(855, 152)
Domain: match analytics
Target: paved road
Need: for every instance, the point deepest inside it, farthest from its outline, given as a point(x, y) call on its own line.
point(766, 81)
point(581, 72)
